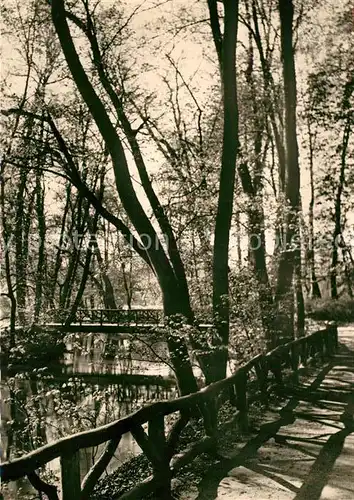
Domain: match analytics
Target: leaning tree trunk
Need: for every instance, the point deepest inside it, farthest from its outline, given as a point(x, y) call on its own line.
point(40, 193)
point(175, 296)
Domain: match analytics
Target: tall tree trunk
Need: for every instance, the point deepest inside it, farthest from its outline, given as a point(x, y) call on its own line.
point(80, 216)
point(226, 50)
point(338, 209)
point(6, 252)
point(288, 258)
point(11, 293)
point(40, 193)
point(85, 273)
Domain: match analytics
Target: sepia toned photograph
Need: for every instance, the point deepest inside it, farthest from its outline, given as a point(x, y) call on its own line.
point(177, 250)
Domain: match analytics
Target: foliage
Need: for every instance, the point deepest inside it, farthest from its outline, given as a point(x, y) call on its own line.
point(341, 309)
point(29, 349)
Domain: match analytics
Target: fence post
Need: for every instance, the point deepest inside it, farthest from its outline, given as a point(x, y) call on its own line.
point(262, 377)
point(161, 462)
point(327, 343)
point(294, 353)
point(322, 344)
point(335, 336)
point(304, 351)
point(70, 476)
point(275, 368)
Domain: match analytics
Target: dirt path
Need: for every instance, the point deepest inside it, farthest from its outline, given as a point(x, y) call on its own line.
point(303, 450)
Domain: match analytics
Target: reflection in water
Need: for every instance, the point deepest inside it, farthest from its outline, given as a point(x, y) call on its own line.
point(114, 355)
point(41, 408)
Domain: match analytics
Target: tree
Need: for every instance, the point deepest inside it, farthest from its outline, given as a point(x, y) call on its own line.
point(290, 258)
point(225, 46)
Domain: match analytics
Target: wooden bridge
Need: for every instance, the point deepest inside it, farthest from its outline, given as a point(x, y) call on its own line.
point(252, 382)
point(106, 321)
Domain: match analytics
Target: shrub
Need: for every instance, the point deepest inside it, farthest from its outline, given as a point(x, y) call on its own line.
point(341, 309)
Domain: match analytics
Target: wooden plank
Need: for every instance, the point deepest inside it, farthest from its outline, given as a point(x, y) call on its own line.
point(70, 476)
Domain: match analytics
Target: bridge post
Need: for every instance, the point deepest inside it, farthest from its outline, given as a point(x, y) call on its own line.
point(161, 463)
point(70, 476)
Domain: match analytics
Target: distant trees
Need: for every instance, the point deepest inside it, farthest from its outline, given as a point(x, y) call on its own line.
point(328, 114)
point(120, 181)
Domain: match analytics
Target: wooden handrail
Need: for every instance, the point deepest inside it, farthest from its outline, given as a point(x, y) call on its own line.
point(68, 447)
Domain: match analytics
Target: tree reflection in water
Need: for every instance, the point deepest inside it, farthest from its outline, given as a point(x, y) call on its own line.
point(39, 407)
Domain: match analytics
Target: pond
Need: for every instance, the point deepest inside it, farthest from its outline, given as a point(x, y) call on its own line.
point(99, 379)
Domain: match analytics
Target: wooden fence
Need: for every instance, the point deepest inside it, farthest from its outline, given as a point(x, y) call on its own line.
point(249, 383)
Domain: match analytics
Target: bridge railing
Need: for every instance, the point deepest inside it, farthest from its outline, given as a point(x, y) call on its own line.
point(252, 381)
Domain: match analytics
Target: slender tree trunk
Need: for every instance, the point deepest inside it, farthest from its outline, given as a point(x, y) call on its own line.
point(40, 193)
point(338, 210)
point(19, 241)
point(6, 253)
point(59, 253)
point(253, 188)
point(80, 217)
point(92, 224)
point(11, 293)
point(226, 50)
point(85, 274)
point(292, 253)
point(315, 289)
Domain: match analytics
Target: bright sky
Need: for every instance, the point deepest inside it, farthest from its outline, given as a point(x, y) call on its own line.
point(194, 55)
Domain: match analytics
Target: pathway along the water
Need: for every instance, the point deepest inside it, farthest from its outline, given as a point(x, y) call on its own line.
point(303, 450)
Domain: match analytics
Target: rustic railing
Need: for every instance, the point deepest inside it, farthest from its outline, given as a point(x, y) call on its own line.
point(250, 382)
